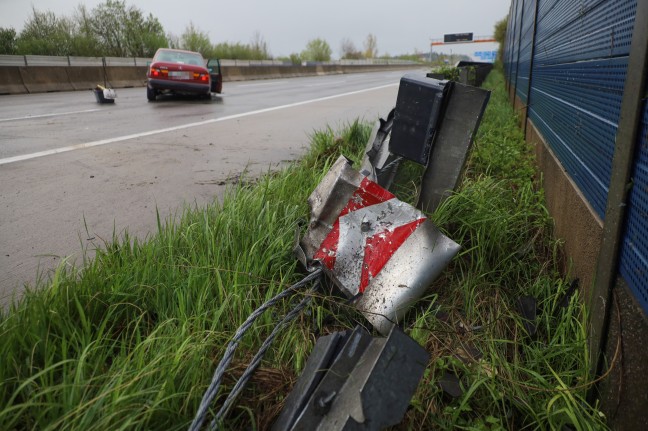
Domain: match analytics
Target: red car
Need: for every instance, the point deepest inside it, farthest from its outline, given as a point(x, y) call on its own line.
point(175, 71)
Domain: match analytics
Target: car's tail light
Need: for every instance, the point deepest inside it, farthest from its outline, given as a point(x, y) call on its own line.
point(201, 76)
point(157, 72)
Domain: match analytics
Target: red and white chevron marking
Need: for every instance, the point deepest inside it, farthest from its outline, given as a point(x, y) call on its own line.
point(369, 230)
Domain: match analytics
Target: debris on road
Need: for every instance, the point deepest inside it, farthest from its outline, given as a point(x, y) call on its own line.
point(104, 95)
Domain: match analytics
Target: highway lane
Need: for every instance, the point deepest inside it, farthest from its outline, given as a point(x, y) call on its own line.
point(124, 161)
point(36, 122)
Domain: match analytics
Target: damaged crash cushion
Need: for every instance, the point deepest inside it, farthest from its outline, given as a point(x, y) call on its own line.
point(377, 248)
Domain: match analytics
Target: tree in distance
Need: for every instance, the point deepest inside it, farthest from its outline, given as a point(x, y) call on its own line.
point(371, 46)
point(259, 46)
point(110, 29)
point(316, 50)
point(46, 34)
point(193, 39)
point(348, 50)
point(499, 33)
point(125, 32)
point(7, 41)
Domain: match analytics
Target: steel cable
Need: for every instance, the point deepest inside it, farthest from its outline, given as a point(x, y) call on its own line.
point(247, 374)
point(212, 390)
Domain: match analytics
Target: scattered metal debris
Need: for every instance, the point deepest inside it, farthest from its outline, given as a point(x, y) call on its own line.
point(379, 165)
point(451, 385)
point(527, 306)
point(354, 381)
point(382, 254)
point(433, 124)
point(104, 95)
point(377, 249)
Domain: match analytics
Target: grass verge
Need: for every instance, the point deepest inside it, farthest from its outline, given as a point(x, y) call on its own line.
point(502, 371)
point(130, 340)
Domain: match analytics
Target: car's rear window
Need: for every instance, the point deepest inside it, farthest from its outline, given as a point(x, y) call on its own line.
point(180, 57)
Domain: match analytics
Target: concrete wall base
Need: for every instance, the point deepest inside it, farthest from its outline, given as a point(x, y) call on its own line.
point(575, 221)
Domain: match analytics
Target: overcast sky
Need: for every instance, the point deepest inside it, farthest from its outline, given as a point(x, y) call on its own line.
point(400, 26)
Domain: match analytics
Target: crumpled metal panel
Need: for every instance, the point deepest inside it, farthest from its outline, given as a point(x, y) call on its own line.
point(406, 276)
point(377, 249)
point(327, 200)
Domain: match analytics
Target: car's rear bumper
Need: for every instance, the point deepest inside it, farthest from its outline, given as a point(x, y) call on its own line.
point(178, 86)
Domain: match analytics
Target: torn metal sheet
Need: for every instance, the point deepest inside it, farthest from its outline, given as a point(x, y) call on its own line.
point(378, 164)
point(327, 200)
point(354, 381)
point(376, 248)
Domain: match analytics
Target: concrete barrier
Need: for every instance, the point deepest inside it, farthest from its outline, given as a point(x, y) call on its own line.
point(85, 78)
point(11, 82)
point(45, 79)
point(126, 76)
point(41, 79)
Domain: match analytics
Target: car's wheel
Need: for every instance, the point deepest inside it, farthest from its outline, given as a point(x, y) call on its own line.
point(150, 94)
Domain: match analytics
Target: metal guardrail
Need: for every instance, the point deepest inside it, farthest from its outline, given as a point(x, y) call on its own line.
point(47, 60)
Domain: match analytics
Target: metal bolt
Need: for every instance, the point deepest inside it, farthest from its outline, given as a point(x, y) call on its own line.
point(324, 401)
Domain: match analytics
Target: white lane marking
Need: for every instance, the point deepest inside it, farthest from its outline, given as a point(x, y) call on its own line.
point(181, 127)
point(30, 117)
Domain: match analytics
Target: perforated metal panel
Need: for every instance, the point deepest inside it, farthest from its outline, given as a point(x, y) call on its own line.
point(515, 43)
point(572, 31)
point(508, 48)
point(576, 91)
point(577, 78)
point(633, 264)
point(526, 47)
point(576, 108)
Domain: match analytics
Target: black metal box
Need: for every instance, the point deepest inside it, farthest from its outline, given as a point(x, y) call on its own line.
point(418, 108)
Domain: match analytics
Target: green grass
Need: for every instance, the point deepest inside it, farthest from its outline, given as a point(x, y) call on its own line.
point(130, 340)
point(470, 321)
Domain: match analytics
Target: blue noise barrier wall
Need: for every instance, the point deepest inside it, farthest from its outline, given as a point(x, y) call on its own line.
point(567, 62)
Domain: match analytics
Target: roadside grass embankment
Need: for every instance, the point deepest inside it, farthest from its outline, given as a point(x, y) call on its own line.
point(130, 340)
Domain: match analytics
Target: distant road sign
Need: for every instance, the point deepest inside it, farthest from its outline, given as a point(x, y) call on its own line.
point(457, 37)
point(486, 55)
point(461, 38)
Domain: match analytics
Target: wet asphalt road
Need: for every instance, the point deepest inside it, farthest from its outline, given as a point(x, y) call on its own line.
point(73, 171)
